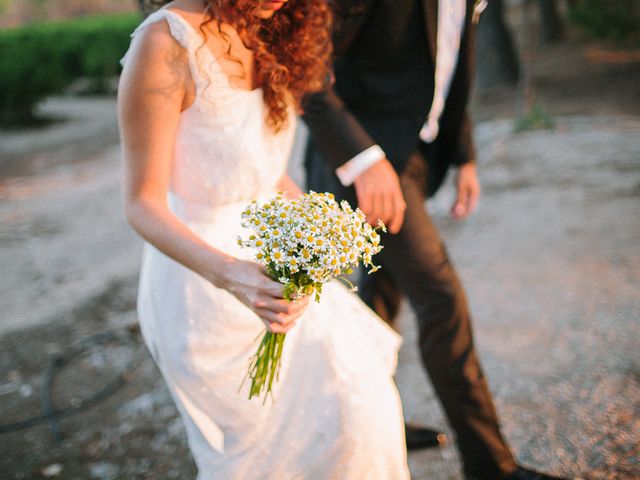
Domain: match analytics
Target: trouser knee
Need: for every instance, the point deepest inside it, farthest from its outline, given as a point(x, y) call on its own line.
point(442, 308)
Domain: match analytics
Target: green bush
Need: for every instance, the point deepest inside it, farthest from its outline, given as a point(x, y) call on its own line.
point(617, 20)
point(535, 118)
point(42, 59)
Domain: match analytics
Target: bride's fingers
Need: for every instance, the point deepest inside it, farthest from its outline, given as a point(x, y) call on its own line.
point(277, 323)
point(294, 307)
point(281, 318)
point(265, 302)
point(272, 289)
point(281, 305)
point(304, 300)
point(269, 286)
point(276, 328)
point(273, 317)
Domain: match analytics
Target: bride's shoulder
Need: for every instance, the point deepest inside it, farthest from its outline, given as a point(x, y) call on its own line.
point(172, 26)
point(156, 60)
point(155, 42)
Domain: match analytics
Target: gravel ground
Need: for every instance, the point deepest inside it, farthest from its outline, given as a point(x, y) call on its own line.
point(550, 262)
point(552, 268)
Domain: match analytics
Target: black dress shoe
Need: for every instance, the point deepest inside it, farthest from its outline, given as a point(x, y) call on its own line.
point(521, 473)
point(420, 437)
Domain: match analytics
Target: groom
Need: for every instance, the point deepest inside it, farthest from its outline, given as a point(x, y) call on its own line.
point(384, 134)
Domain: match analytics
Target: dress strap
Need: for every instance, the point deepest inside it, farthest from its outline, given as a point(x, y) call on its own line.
point(181, 30)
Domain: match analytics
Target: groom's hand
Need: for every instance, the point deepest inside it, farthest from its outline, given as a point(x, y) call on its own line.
point(468, 188)
point(379, 195)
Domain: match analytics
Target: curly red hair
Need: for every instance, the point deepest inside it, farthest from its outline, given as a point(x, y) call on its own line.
point(291, 50)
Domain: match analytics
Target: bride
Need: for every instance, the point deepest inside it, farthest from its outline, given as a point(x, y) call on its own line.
point(207, 104)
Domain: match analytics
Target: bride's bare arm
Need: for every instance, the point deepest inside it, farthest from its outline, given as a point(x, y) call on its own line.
point(286, 184)
point(154, 88)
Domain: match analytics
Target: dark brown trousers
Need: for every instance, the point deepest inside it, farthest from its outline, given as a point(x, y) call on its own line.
point(415, 264)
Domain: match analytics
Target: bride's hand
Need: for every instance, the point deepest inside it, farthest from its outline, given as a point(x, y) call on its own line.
point(249, 283)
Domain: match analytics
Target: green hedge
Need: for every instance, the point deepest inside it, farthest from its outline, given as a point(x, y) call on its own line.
point(42, 59)
point(617, 20)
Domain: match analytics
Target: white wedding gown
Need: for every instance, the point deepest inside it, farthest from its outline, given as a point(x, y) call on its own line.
point(336, 413)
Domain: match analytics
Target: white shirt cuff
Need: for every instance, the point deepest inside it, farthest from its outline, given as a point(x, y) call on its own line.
point(349, 171)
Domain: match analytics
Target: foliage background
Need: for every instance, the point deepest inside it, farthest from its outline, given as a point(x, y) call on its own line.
point(14, 13)
point(42, 59)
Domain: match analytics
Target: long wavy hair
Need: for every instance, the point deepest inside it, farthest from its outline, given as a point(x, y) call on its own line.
point(291, 50)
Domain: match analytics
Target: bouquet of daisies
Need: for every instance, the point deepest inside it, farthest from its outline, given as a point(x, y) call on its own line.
point(303, 243)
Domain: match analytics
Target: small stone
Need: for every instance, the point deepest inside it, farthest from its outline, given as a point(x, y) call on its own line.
point(26, 390)
point(52, 470)
point(52, 348)
point(103, 470)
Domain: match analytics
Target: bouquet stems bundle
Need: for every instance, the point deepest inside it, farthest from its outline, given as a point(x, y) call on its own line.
point(265, 364)
point(303, 243)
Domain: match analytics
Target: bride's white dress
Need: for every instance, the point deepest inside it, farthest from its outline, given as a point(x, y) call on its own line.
point(337, 413)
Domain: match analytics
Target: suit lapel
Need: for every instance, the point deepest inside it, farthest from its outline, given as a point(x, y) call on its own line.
point(430, 9)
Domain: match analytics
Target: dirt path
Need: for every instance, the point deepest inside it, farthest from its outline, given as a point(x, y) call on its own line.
point(64, 240)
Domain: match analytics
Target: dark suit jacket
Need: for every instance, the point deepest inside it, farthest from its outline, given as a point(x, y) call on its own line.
point(384, 85)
